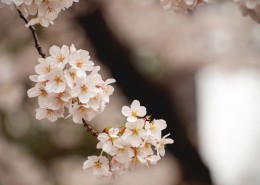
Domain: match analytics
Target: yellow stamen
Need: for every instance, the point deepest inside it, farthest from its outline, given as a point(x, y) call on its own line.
point(58, 79)
point(135, 131)
point(73, 75)
point(98, 164)
point(79, 63)
point(84, 89)
point(47, 69)
point(134, 114)
point(60, 58)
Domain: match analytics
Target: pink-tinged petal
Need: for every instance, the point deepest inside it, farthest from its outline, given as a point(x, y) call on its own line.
point(99, 145)
point(113, 132)
point(34, 92)
point(131, 118)
point(130, 125)
point(40, 113)
point(65, 50)
point(33, 78)
point(107, 146)
point(88, 164)
point(162, 152)
point(54, 51)
point(77, 117)
point(135, 105)
point(135, 141)
point(126, 111)
point(142, 111)
point(110, 80)
point(160, 124)
point(168, 141)
point(140, 123)
point(52, 117)
point(75, 91)
point(103, 160)
point(126, 134)
point(43, 101)
point(103, 137)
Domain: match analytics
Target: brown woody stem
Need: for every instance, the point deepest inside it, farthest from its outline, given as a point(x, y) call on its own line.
point(35, 37)
point(90, 129)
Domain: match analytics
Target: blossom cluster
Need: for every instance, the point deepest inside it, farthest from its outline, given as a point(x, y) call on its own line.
point(138, 143)
point(181, 6)
point(69, 79)
point(42, 12)
point(251, 8)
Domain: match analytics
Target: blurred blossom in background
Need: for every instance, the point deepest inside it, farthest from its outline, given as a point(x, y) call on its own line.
point(198, 71)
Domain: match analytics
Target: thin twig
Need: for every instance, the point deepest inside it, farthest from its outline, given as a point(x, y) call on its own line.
point(90, 129)
point(35, 37)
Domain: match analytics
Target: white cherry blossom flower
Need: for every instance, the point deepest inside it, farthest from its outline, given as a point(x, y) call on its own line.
point(80, 112)
point(72, 76)
point(80, 59)
point(100, 165)
point(96, 103)
point(155, 127)
point(44, 68)
point(60, 55)
point(50, 114)
point(134, 111)
point(107, 140)
point(134, 132)
point(160, 144)
point(107, 89)
point(134, 145)
point(60, 85)
point(84, 90)
point(40, 92)
point(56, 81)
point(42, 12)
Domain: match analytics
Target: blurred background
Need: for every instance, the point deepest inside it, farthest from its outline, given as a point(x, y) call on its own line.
point(199, 72)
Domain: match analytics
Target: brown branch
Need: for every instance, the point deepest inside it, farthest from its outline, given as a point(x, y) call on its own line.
point(35, 37)
point(90, 129)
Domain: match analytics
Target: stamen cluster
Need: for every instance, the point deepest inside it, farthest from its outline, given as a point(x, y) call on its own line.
point(69, 79)
point(42, 12)
point(138, 143)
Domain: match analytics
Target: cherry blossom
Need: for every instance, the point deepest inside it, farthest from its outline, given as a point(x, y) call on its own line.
point(134, 145)
point(60, 84)
point(100, 165)
point(134, 111)
point(42, 12)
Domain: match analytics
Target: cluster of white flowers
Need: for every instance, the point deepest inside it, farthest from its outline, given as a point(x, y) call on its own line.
point(181, 6)
point(251, 8)
point(67, 78)
point(138, 143)
point(42, 12)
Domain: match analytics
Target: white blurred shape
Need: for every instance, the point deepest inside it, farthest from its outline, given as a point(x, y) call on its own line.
point(229, 123)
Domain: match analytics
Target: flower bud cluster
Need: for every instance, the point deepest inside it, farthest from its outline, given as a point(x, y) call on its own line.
point(69, 79)
point(138, 143)
point(181, 6)
point(251, 8)
point(42, 12)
